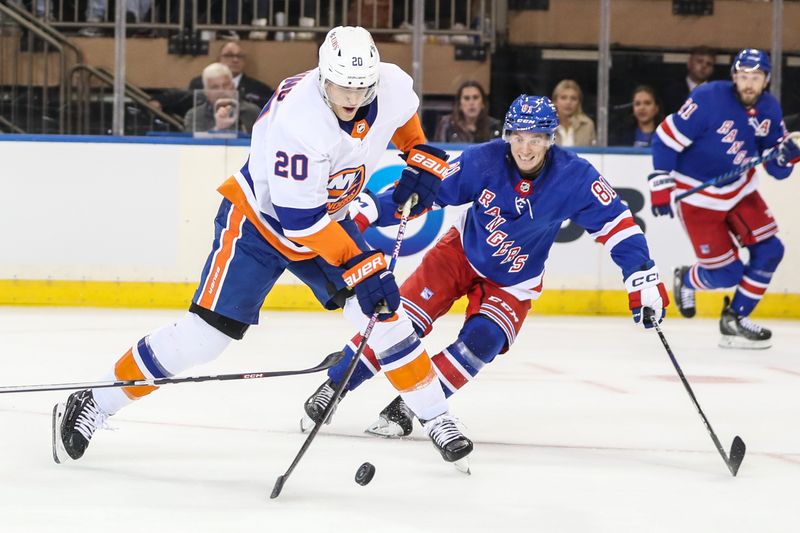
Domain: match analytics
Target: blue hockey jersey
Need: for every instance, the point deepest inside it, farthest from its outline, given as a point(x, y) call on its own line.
point(713, 133)
point(508, 231)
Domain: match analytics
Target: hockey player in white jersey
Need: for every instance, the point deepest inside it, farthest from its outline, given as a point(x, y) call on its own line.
point(314, 145)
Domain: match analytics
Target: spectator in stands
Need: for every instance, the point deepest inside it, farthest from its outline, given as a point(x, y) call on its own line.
point(220, 110)
point(250, 89)
point(576, 128)
point(96, 12)
point(638, 127)
point(470, 121)
point(699, 69)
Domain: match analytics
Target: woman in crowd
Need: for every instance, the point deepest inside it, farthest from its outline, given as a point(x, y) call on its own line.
point(641, 123)
point(576, 128)
point(470, 121)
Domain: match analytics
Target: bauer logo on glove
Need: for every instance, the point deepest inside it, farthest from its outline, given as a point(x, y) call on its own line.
point(427, 162)
point(369, 266)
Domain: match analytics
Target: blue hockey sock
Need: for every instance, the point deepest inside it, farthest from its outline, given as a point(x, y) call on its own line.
point(699, 277)
point(764, 260)
point(364, 370)
point(478, 343)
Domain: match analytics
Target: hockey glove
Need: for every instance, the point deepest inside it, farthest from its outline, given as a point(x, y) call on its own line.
point(645, 289)
point(789, 152)
point(661, 186)
point(423, 176)
point(370, 209)
point(374, 284)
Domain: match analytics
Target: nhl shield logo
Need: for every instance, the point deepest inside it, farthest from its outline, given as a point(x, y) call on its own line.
point(344, 186)
point(524, 188)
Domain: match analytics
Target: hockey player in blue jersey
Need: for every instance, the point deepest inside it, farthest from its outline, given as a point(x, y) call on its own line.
point(522, 188)
point(722, 126)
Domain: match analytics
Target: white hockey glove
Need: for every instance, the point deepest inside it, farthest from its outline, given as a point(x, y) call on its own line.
point(645, 289)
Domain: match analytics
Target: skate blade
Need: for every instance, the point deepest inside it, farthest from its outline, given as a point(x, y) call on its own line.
point(59, 452)
point(386, 429)
point(462, 465)
point(736, 342)
point(306, 424)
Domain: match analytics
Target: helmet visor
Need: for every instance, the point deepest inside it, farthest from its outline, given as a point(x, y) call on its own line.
point(522, 138)
point(349, 96)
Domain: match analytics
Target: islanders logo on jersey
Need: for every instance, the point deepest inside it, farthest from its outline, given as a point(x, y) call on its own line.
point(344, 186)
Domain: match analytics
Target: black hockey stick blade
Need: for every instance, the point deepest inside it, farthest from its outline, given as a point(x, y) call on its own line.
point(329, 361)
point(736, 456)
point(276, 490)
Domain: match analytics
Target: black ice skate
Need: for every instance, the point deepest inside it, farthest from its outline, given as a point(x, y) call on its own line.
point(741, 332)
point(448, 439)
point(317, 403)
point(396, 420)
point(684, 296)
point(74, 423)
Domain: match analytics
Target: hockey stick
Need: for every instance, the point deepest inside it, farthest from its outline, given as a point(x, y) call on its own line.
point(326, 363)
point(337, 393)
point(774, 154)
point(738, 448)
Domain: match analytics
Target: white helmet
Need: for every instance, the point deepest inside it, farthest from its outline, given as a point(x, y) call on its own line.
point(349, 59)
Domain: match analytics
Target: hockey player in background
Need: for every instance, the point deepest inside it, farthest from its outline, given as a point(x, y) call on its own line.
point(522, 188)
point(721, 127)
point(314, 145)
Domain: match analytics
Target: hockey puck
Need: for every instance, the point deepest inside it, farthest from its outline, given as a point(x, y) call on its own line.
point(365, 473)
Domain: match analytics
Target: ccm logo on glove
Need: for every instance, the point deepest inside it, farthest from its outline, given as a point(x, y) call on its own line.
point(649, 277)
point(364, 269)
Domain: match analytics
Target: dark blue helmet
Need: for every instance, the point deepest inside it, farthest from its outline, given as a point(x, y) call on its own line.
point(534, 114)
point(751, 59)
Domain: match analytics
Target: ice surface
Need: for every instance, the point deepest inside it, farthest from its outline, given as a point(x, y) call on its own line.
point(582, 427)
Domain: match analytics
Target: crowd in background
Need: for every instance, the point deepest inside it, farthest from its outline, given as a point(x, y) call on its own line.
point(469, 120)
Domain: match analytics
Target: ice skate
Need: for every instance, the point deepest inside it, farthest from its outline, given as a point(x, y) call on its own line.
point(741, 332)
point(74, 423)
point(396, 420)
point(449, 440)
point(684, 296)
point(317, 403)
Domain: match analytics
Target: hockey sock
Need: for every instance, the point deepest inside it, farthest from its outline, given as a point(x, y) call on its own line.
point(366, 367)
point(168, 351)
point(699, 277)
point(478, 343)
point(764, 260)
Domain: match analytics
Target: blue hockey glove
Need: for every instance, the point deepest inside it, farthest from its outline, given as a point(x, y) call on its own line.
point(645, 289)
point(789, 152)
point(661, 186)
point(423, 176)
point(374, 284)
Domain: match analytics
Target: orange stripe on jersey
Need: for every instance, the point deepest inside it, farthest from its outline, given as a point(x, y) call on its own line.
point(413, 375)
point(221, 259)
point(231, 190)
point(332, 243)
point(409, 134)
point(127, 369)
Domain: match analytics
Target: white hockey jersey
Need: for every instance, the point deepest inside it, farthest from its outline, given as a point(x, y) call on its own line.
point(305, 165)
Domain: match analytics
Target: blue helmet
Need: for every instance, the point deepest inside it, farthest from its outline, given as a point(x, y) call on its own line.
point(751, 59)
point(534, 114)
